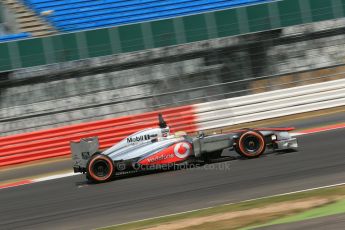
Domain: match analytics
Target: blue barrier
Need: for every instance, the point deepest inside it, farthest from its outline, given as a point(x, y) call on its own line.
point(11, 37)
point(75, 15)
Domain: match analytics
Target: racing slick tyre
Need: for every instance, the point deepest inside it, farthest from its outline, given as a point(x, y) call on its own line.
point(100, 168)
point(251, 144)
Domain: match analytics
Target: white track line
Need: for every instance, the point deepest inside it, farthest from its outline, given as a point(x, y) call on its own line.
point(53, 177)
point(32, 181)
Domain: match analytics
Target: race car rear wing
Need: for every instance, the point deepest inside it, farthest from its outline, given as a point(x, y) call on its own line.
point(82, 152)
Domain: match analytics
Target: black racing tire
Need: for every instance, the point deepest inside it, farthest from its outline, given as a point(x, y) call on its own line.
point(100, 168)
point(250, 144)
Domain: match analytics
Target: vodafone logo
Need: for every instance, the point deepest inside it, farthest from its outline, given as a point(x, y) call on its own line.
point(181, 150)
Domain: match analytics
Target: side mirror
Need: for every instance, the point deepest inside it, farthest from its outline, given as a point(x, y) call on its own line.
point(201, 135)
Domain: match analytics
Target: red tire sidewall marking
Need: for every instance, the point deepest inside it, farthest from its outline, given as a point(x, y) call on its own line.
point(262, 142)
point(111, 166)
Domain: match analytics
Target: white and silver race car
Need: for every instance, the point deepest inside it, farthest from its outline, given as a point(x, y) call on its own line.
point(156, 147)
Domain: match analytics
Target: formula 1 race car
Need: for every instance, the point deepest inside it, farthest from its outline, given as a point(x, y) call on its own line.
point(157, 147)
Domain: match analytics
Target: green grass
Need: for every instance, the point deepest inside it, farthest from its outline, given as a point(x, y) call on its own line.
point(327, 210)
point(262, 202)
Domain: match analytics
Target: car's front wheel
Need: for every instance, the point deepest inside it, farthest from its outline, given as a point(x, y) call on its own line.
point(100, 168)
point(250, 144)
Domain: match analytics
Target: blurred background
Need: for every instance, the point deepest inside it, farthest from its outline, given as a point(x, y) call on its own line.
point(67, 62)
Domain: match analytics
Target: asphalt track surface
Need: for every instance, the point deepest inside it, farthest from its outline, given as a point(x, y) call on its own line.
point(70, 203)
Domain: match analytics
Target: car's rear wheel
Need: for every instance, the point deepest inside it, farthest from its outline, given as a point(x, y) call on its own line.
point(251, 144)
point(100, 168)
